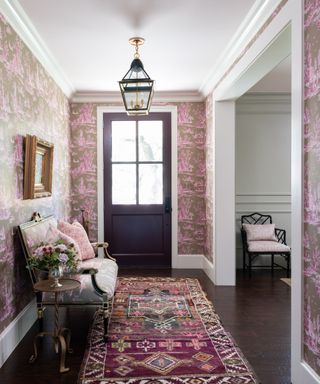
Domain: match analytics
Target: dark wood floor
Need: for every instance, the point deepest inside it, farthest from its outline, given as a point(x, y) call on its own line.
point(256, 312)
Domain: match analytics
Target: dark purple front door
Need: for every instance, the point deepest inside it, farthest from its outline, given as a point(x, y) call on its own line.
point(137, 188)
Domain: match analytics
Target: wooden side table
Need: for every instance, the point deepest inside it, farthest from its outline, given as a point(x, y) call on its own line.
point(61, 336)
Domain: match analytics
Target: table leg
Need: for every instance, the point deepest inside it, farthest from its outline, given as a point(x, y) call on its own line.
point(35, 348)
point(67, 333)
point(63, 351)
point(61, 342)
point(56, 324)
point(59, 338)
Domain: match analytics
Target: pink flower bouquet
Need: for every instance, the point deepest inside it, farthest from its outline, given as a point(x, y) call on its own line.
point(53, 255)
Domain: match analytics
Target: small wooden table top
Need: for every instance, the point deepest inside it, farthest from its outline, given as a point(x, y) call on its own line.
point(46, 285)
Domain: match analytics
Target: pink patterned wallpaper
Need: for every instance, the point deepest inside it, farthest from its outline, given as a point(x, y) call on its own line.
point(312, 183)
point(191, 178)
point(191, 171)
point(30, 102)
point(209, 195)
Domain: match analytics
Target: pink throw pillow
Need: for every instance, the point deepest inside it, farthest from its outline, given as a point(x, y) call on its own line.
point(260, 232)
point(79, 235)
point(53, 235)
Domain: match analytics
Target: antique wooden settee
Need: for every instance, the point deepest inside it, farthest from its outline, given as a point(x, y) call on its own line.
point(98, 275)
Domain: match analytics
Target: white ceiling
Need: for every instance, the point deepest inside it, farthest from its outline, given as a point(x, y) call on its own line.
point(89, 38)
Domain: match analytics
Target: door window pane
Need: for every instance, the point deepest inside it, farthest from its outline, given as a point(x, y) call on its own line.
point(150, 140)
point(150, 184)
point(124, 184)
point(123, 141)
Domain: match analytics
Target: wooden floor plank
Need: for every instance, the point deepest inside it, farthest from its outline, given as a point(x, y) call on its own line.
point(256, 312)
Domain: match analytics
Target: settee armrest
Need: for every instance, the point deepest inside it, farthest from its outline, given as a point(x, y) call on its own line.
point(105, 246)
point(86, 271)
point(92, 272)
point(281, 235)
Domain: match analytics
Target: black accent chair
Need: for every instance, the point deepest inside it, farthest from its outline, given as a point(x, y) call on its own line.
point(278, 247)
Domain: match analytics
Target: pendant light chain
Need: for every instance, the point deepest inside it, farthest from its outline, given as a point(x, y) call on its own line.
point(137, 55)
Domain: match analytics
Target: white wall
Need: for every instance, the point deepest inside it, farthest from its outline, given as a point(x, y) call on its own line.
point(263, 148)
point(224, 121)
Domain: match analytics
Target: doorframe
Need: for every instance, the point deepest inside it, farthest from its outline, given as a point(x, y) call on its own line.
point(172, 109)
point(227, 92)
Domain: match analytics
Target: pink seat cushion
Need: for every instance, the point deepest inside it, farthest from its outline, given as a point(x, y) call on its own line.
point(267, 246)
point(79, 235)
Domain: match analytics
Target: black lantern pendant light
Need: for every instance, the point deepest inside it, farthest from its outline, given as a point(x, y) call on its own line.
point(136, 87)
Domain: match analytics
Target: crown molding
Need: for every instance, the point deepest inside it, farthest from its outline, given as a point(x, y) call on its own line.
point(115, 97)
point(265, 98)
point(256, 17)
point(264, 104)
point(20, 22)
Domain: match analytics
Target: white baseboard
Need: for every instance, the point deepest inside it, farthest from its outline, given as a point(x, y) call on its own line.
point(187, 262)
point(16, 330)
point(194, 262)
point(303, 373)
point(208, 268)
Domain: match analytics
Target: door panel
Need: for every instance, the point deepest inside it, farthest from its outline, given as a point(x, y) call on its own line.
point(137, 181)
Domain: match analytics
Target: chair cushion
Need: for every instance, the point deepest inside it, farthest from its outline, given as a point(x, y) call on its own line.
point(79, 235)
point(267, 246)
point(107, 273)
point(260, 232)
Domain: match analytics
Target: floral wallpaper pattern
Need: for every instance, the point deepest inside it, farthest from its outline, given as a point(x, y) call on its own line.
point(191, 178)
point(191, 171)
point(312, 183)
point(83, 126)
point(209, 195)
point(30, 103)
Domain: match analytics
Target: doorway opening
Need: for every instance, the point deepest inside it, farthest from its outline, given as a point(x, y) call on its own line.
point(263, 157)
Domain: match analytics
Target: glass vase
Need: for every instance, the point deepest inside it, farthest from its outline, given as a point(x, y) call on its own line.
point(55, 274)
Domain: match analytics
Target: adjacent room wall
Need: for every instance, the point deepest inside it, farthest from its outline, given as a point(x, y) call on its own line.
point(191, 171)
point(30, 103)
point(263, 162)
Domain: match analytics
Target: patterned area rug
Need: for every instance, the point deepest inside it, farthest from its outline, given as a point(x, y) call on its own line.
point(163, 331)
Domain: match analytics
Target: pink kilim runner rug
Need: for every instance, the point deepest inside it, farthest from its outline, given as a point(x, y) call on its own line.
point(162, 331)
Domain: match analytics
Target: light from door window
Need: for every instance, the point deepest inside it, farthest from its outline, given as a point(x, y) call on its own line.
point(137, 162)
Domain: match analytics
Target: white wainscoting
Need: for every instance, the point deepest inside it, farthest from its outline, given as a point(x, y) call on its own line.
point(16, 330)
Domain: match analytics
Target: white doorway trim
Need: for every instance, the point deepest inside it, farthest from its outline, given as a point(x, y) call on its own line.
point(292, 14)
point(278, 48)
point(225, 231)
point(174, 172)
